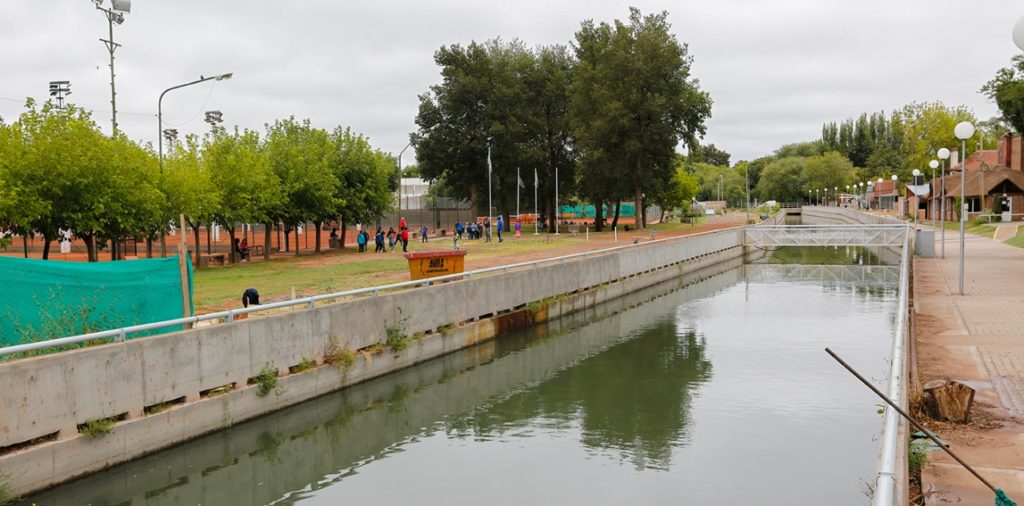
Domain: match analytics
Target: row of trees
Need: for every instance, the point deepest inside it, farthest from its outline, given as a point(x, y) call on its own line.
point(59, 173)
point(606, 114)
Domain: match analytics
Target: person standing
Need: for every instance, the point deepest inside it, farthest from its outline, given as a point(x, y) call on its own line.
point(487, 229)
point(501, 225)
point(361, 241)
point(519, 228)
point(423, 234)
point(401, 223)
point(392, 237)
point(405, 240)
point(379, 240)
point(458, 230)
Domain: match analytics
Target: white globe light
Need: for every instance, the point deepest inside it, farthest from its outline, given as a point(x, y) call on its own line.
point(964, 130)
point(1018, 34)
point(934, 164)
point(894, 177)
point(879, 180)
point(916, 173)
point(943, 154)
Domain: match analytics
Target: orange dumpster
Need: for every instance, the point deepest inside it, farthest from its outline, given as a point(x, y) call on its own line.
point(430, 264)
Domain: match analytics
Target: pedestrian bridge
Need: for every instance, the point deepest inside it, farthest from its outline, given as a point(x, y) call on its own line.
point(884, 276)
point(771, 236)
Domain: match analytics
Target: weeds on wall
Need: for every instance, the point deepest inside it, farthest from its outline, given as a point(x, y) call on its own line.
point(339, 356)
point(267, 381)
point(98, 427)
point(395, 337)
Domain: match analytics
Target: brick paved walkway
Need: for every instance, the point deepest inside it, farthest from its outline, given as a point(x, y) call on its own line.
point(977, 339)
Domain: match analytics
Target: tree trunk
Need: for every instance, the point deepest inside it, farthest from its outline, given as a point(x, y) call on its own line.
point(209, 238)
point(90, 248)
point(297, 240)
point(317, 225)
point(287, 235)
point(24, 243)
point(643, 212)
point(344, 230)
point(615, 219)
point(552, 212)
point(195, 233)
point(231, 244)
point(149, 246)
point(598, 215)
point(948, 401)
point(46, 247)
point(266, 240)
point(474, 210)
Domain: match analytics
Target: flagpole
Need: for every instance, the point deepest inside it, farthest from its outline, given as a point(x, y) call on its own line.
point(556, 200)
point(536, 216)
point(489, 170)
point(519, 182)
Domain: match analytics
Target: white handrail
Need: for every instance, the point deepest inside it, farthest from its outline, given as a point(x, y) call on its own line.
point(888, 476)
point(229, 315)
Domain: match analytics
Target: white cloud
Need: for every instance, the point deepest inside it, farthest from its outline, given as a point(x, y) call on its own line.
point(776, 69)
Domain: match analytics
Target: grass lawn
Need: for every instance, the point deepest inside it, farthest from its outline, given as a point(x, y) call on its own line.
point(335, 271)
point(1017, 240)
point(984, 229)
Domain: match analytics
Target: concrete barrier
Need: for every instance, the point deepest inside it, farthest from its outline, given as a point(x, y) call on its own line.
point(167, 389)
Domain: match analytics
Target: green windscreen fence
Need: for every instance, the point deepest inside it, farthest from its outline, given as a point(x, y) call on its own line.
point(41, 299)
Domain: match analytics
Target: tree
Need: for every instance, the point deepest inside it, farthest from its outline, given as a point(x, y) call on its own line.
point(634, 101)
point(365, 175)
point(831, 170)
point(678, 193)
point(1006, 89)
point(251, 191)
point(927, 127)
point(710, 154)
point(782, 180)
point(189, 186)
point(300, 156)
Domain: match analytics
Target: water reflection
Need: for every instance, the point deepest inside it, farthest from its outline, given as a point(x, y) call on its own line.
point(632, 399)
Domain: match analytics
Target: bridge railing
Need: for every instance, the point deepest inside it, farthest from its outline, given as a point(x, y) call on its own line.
point(891, 235)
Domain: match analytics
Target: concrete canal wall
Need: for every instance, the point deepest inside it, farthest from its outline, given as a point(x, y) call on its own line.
point(163, 390)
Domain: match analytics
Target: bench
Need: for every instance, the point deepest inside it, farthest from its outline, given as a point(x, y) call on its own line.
point(212, 259)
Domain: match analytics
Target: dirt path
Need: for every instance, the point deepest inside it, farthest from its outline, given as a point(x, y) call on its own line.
point(977, 339)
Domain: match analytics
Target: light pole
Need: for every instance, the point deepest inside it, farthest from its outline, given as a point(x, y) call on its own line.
point(934, 164)
point(895, 191)
point(160, 110)
point(917, 203)
point(400, 153)
point(720, 187)
point(213, 118)
point(943, 155)
point(835, 195)
point(867, 193)
point(817, 197)
point(60, 89)
point(121, 7)
point(963, 131)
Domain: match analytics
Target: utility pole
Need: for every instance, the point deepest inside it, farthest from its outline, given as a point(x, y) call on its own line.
point(121, 6)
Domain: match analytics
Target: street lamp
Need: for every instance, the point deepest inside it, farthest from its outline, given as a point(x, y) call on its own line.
point(160, 109)
point(943, 155)
point(1018, 34)
point(817, 197)
point(121, 7)
point(934, 164)
point(835, 194)
point(917, 202)
point(963, 131)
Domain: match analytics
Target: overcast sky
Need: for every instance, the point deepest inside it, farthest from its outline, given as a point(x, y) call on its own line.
point(776, 70)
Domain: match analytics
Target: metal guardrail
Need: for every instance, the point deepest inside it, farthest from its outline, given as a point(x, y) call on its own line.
point(826, 235)
point(122, 333)
point(891, 467)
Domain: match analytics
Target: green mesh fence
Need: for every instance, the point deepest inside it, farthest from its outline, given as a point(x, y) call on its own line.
point(41, 300)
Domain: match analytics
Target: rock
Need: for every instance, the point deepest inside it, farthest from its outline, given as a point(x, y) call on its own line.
point(947, 400)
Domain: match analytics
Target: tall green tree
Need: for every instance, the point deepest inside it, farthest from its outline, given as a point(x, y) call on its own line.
point(634, 101)
point(831, 170)
point(1006, 89)
point(301, 158)
point(366, 177)
point(783, 180)
point(250, 190)
point(189, 187)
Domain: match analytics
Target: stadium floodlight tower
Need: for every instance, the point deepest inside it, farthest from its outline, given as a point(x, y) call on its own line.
point(115, 14)
point(59, 90)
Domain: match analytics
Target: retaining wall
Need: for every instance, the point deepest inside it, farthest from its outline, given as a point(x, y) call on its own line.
point(167, 389)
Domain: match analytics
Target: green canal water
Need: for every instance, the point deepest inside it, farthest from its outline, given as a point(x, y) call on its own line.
point(692, 392)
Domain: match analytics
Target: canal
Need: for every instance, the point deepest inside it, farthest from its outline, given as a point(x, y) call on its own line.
point(710, 389)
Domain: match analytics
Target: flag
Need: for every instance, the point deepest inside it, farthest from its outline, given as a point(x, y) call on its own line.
point(521, 183)
point(489, 168)
point(535, 178)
